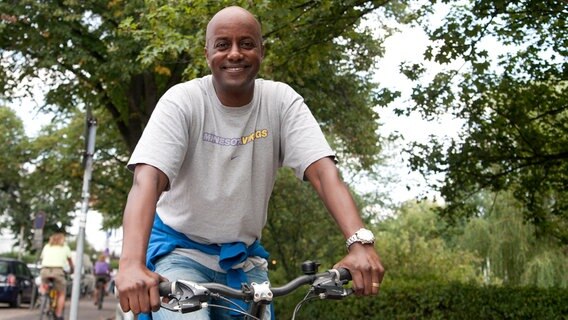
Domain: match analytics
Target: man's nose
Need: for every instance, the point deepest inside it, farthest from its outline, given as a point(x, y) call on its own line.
point(235, 52)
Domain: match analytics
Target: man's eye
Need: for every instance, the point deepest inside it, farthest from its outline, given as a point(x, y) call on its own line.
point(221, 45)
point(247, 44)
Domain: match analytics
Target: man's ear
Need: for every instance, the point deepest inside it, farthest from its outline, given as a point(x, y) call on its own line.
point(206, 56)
point(262, 48)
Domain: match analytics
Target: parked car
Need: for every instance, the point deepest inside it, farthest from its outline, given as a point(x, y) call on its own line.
point(35, 270)
point(16, 282)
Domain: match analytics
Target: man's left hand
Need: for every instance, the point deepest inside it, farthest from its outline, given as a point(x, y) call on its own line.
point(366, 269)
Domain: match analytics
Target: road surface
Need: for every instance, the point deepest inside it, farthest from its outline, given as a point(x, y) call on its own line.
point(86, 311)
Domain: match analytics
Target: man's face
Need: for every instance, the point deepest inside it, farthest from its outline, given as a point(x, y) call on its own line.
point(234, 52)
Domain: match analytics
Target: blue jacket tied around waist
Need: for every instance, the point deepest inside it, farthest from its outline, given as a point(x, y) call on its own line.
point(164, 239)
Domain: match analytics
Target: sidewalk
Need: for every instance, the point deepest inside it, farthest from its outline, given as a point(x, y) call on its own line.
point(85, 311)
point(88, 311)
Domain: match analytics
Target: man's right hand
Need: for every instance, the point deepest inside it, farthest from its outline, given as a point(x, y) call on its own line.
point(137, 288)
point(136, 285)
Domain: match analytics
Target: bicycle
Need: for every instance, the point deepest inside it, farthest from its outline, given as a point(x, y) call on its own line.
point(100, 291)
point(49, 301)
point(188, 296)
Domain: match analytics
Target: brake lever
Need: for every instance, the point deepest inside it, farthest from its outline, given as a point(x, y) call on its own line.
point(331, 287)
point(332, 292)
point(186, 297)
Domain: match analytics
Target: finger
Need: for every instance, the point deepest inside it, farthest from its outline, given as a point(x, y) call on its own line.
point(123, 300)
point(375, 283)
point(155, 298)
point(134, 304)
point(378, 275)
point(355, 278)
point(139, 298)
point(358, 282)
point(165, 299)
point(368, 280)
point(144, 298)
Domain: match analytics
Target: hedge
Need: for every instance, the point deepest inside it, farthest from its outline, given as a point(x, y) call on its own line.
point(438, 301)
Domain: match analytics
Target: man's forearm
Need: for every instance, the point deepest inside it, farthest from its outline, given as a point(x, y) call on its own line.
point(139, 212)
point(136, 227)
point(324, 176)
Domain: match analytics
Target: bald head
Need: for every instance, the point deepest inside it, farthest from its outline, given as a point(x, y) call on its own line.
point(233, 14)
point(234, 52)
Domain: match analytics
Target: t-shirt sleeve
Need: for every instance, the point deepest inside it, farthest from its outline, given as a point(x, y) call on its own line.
point(302, 140)
point(164, 142)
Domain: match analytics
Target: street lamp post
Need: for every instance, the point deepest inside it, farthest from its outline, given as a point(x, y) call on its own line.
point(90, 150)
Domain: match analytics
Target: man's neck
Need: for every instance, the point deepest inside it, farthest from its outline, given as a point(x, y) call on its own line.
point(235, 99)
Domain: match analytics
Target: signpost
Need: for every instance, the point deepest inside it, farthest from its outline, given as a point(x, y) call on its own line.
point(39, 223)
point(37, 243)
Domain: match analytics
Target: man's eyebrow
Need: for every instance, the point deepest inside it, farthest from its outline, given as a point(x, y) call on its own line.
point(225, 38)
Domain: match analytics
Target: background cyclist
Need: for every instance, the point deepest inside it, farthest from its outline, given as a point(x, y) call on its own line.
point(55, 256)
point(102, 275)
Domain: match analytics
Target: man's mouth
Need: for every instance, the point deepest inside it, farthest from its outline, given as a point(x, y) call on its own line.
point(234, 68)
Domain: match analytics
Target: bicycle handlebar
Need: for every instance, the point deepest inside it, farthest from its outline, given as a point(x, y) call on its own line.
point(330, 278)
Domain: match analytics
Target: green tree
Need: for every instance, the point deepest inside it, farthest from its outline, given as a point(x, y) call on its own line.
point(13, 208)
point(118, 57)
point(501, 238)
point(547, 269)
point(29, 165)
point(414, 249)
point(514, 103)
point(509, 250)
point(300, 229)
point(121, 57)
point(45, 174)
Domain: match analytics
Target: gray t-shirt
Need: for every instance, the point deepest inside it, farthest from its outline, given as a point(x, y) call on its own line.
point(221, 162)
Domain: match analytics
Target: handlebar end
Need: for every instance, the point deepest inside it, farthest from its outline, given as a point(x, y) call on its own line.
point(344, 274)
point(166, 288)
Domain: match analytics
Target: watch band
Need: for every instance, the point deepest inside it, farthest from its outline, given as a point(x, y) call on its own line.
point(362, 235)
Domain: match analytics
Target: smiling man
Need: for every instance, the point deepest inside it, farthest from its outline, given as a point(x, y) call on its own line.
point(234, 52)
point(204, 170)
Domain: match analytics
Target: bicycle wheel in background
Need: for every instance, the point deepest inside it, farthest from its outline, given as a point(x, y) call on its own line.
point(100, 299)
point(34, 299)
point(44, 307)
point(100, 294)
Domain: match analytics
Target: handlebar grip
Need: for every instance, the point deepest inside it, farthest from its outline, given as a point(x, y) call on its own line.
point(165, 288)
point(344, 274)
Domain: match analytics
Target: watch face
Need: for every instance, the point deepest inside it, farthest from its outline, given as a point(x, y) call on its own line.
point(365, 235)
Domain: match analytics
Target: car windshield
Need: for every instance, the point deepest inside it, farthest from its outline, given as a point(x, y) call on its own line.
point(3, 271)
point(34, 270)
point(3, 267)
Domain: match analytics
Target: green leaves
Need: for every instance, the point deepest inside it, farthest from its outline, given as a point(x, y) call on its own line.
point(117, 58)
point(12, 165)
point(413, 249)
point(514, 103)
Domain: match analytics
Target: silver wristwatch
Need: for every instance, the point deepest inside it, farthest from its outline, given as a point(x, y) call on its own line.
point(362, 235)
